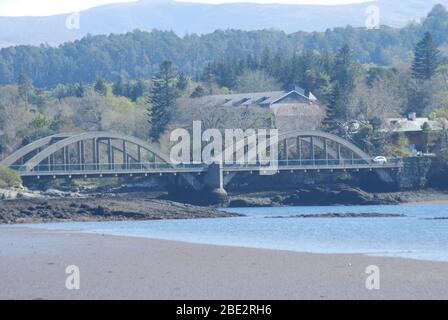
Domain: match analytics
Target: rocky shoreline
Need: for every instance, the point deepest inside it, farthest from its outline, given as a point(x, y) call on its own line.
point(334, 195)
point(24, 206)
point(100, 209)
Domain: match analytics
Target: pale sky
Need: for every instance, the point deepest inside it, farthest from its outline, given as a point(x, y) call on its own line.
point(50, 7)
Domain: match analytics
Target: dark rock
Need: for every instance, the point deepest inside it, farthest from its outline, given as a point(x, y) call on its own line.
point(342, 195)
point(250, 202)
point(345, 215)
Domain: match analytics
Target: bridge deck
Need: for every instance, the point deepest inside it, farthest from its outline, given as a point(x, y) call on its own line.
point(88, 170)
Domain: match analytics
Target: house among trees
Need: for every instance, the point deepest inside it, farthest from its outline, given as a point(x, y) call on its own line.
point(417, 130)
point(271, 99)
point(294, 108)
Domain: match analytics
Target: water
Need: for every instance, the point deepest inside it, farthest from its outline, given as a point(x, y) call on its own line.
point(412, 236)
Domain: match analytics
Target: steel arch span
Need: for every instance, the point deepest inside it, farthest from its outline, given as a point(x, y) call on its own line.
point(38, 158)
point(307, 145)
point(33, 147)
point(321, 140)
point(35, 153)
point(311, 146)
point(96, 137)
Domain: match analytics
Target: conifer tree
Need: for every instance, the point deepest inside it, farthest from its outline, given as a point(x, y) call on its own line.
point(100, 86)
point(336, 110)
point(198, 92)
point(162, 97)
point(426, 59)
point(343, 85)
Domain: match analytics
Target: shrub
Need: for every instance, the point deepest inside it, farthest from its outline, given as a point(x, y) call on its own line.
point(9, 178)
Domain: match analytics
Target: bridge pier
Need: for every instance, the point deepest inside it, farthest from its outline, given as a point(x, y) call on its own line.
point(214, 184)
point(206, 188)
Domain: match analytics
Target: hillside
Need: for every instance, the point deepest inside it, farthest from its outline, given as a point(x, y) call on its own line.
point(137, 54)
point(198, 18)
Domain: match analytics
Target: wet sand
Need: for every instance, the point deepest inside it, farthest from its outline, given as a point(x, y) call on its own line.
point(33, 264)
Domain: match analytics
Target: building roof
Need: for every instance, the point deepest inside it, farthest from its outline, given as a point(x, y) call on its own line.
point(263, 99)
point(414, 124)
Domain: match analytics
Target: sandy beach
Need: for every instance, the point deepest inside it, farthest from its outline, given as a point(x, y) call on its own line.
point(33, 264)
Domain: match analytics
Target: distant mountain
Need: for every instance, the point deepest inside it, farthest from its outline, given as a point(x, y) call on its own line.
point(198, 18)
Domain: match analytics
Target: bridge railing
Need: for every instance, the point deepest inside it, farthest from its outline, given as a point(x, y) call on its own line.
point(162, 166)
point(314, 163)
point(107, 167)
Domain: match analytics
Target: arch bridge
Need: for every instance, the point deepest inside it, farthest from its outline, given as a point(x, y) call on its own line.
point(106, 154)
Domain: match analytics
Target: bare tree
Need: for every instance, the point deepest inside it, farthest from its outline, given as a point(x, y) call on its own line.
point(256, 81)
point(14, 118)
point(89, 111)
point(213, 114)
point(379, 100)
point(298, 116)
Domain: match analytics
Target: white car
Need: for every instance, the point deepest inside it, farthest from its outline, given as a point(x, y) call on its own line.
point(380, 160)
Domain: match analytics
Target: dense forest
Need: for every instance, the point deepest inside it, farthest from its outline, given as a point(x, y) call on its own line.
point(137, 54)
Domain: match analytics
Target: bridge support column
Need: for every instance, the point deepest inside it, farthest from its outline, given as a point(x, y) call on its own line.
point(82, 159)
point(326, 151)
point(339, 154)
point(66, 158)
point(214, 184)
point(94, 154)
point(139, 157)
point(125, 155)
point(110, 159)
point(78, 147)
point(113, 158)
point(286, 151)
point(51, 163)
point(97, 155)
point(313, 153)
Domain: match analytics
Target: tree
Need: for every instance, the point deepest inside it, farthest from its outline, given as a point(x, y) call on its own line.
point(100, 86)
point(162, 98)
point(9, 178)
point(117, 87)
point(380, 97)
point(26, 88)
point(89, 111)
point(182, 81)
point(256, 81)
point(426, 136)
point(363, 138)
point(400, 147)
point(336, 110)
point(138, 90)
point(209, 78)
point(426, 59)
point(198, 92)
point(436, 23)
point(343, 79)
point(80, 91)
point(344, 72)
